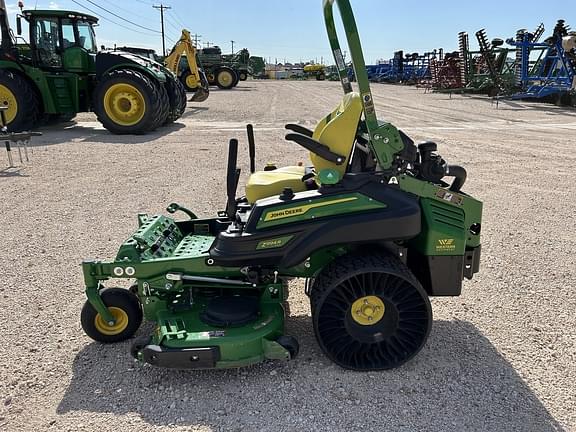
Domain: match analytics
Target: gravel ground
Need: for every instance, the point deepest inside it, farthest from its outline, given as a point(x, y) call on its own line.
point(500, 357)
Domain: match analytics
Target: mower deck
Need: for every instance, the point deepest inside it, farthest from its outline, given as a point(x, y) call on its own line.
point(181, 340)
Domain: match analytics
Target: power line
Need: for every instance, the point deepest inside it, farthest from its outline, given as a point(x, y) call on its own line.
point(122, 18)
point(172, 24)
point(127, 11)
point(178, 20)
point(96, 14)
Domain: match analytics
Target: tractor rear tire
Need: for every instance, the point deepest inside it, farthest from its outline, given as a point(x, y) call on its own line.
point(369, 312)
point(124, 306)
point(177, 97)
point(22, 100)
point(226, 78)
point(127, 101)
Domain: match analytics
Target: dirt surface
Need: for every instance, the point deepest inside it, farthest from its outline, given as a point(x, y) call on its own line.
point(500, 357)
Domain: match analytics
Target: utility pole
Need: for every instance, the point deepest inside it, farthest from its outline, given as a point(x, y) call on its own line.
point(161, 8)
point(197, 38)
point(232, 46)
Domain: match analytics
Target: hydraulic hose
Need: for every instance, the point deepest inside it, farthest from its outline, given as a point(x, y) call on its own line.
point(459, 174)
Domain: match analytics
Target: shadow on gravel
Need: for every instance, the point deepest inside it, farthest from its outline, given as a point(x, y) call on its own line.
point(57, 135)
point(11, 172)
point(458, 382)
point(522, 105)
point(193, 110)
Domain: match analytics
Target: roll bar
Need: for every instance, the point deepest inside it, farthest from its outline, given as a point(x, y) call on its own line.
point(355, 48)
point(384, 138)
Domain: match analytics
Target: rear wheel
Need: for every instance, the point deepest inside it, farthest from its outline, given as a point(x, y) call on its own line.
point(370, 312)
point(226, 78)
point(243, 76)
point(129, 102)
point(125, 309)
point(21, 99)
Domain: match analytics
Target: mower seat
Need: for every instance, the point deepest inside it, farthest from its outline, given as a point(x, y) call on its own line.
point(337, 131)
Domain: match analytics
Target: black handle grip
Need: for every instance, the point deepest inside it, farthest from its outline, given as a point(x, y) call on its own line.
point(299, 129)
point(232, 177)
point(251, 147)
point(317, 148)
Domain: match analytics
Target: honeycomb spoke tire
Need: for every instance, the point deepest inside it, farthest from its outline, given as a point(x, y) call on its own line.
point(125, 308)
point(22, 100)
point(369, 312)
point(129, 102)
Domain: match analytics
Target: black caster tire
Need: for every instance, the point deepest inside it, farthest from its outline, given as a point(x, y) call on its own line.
point(369, 312)
point(125, 308)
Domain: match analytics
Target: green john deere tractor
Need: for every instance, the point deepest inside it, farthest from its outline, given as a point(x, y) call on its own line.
point(57, 73)
point(372, 226)
point(219, 71)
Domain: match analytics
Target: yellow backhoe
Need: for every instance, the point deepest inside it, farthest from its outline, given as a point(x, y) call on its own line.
point(191, 76)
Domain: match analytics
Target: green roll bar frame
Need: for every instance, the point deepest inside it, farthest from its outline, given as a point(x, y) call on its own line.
point(384, 139)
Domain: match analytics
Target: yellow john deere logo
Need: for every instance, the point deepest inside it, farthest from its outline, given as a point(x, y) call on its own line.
point(446, 245)
point(296, 211)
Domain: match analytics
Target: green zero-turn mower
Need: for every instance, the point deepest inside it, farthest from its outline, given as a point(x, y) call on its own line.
point(55, 71)
point(372, 227)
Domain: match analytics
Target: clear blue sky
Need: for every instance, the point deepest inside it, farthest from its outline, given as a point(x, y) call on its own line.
point(293, 30)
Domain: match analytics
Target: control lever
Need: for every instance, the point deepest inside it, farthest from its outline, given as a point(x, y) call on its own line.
point(251, 148)
point(174, 207)
point(232, 178)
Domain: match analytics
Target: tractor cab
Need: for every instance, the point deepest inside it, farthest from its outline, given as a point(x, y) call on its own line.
point(61, 40)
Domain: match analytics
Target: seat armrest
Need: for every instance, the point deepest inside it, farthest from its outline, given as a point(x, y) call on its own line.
point(299, 129)
point(317, 148)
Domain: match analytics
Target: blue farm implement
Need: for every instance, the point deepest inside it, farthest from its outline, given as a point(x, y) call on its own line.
point(553, 74)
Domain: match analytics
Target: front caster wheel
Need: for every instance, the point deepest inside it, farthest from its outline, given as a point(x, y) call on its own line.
point(369, 312)
point(125, 309)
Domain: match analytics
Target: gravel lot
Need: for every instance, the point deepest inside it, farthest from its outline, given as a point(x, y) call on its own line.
point(500, 357)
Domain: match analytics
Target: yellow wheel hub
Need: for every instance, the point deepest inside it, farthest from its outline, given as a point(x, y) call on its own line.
point(191, 81)
point(225, 78)
point(120, 324)
point(8, 99)
point(124, 104)
point(368, 310)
